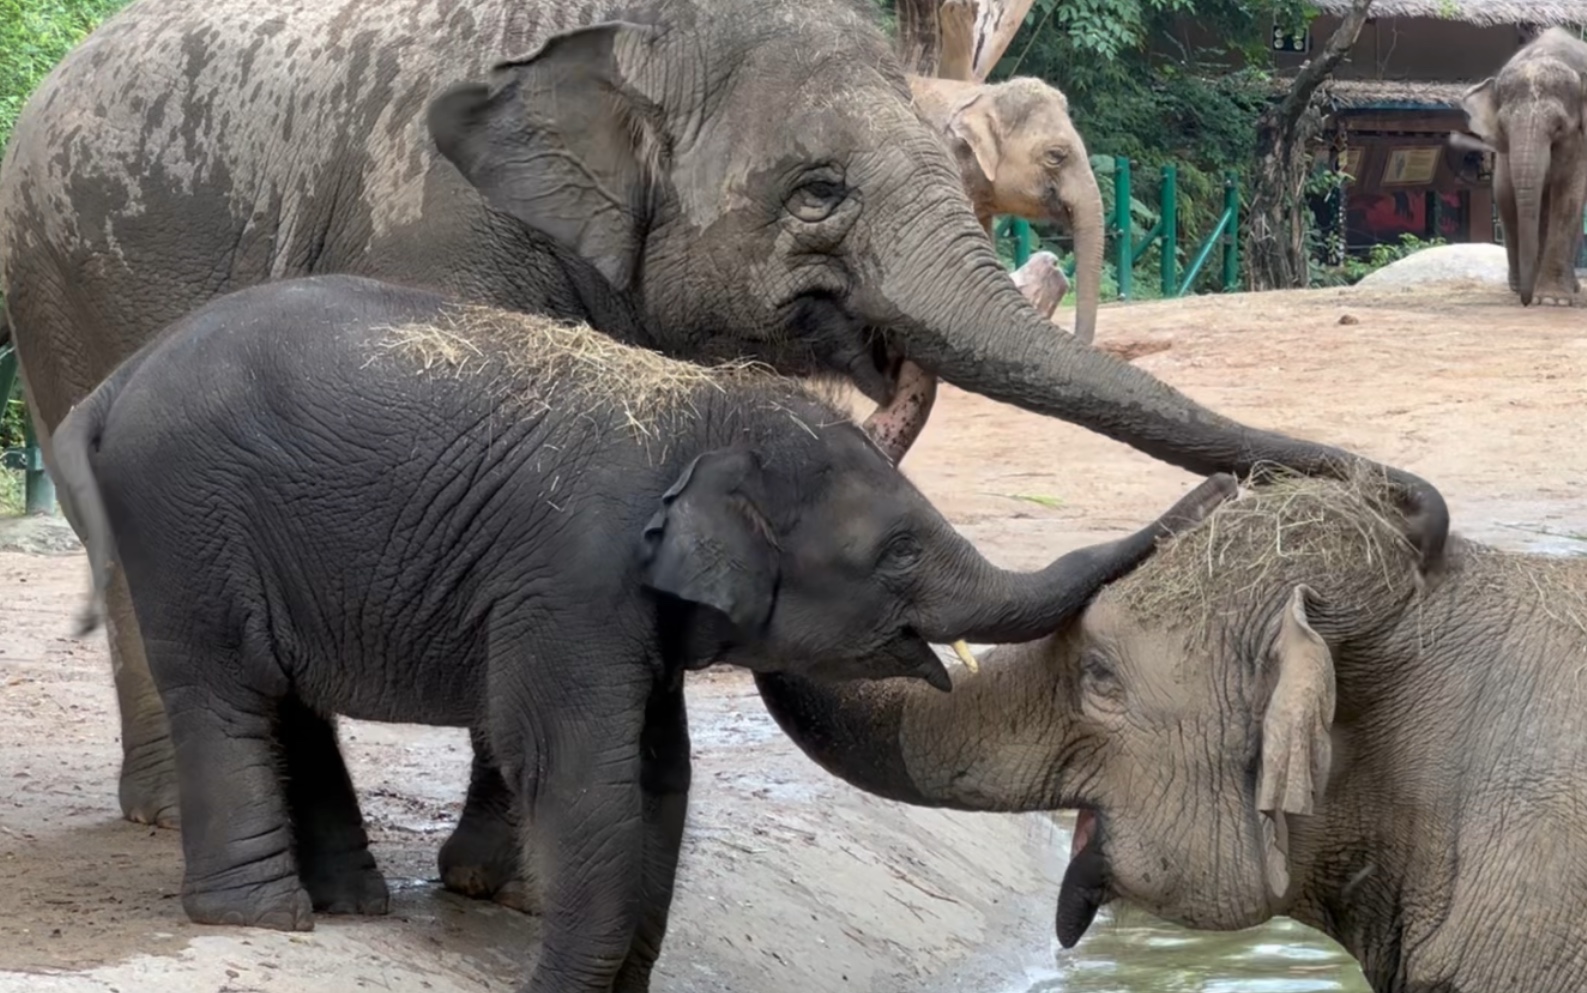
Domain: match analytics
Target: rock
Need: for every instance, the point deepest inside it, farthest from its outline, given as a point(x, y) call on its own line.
point(1484, 264)
point(1349, 319)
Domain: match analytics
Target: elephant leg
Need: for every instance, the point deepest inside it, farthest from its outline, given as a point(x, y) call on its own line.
point(664, 780)
point(148, 788)
point(580, 775)
point(334, 862)
point(236, 830)
point(1561, 237)
point(1509, 217)
point(481, 858)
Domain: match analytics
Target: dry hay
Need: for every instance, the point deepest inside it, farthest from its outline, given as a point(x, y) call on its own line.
point(538, 363)
point(1342, 538)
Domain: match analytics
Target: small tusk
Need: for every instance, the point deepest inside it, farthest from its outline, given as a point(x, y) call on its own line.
point(966, 656)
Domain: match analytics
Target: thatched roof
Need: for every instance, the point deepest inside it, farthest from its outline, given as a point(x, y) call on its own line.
point(1349, 93)
point(1483, 12)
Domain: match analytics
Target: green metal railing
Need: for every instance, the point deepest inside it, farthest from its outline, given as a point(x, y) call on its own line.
point(38, 490)
point(1225, 235)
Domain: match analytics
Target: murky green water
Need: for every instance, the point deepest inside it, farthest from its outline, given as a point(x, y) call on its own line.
point(1141, 955)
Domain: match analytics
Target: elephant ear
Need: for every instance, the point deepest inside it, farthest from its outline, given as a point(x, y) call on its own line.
point(710, 543)
point(1481, 104)
point(1296, 749)
point(565, 142)
point(973, 128)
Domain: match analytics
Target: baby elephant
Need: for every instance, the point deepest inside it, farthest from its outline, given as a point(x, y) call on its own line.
point(335, 496)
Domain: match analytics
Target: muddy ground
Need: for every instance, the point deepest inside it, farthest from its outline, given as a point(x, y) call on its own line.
point(790, 880)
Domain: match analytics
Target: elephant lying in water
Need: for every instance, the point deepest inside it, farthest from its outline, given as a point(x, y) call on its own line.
point(1279, 714)
point(336, 496)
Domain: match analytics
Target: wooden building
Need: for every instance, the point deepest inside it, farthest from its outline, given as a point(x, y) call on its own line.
point(1394, 100)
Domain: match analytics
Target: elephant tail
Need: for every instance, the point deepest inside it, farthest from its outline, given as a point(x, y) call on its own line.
point(78, 491)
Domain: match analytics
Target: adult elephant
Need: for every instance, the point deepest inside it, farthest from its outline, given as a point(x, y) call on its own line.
point(752, 178)
point(1533, 117)
point(1019, 153)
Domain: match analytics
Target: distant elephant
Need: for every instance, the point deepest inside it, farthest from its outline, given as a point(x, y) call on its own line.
point(713, 178)
point(325, 504)
point(1533, 117)
point(1279, 714)
point(1019, 153)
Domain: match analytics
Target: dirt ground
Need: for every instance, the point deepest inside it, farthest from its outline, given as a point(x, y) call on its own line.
point(791, 880)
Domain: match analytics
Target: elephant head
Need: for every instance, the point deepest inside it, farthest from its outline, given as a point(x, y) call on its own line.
point(757, 176)
point(1186, 712)
point(1019, 153)
point(1533, 114)
point(817, 557)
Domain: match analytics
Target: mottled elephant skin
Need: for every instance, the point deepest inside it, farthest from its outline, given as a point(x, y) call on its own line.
point(713, 178)
point(1533, 117)
point(1279, 713)
point(324, 505)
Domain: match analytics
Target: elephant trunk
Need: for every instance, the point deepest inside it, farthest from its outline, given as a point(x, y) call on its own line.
point(989, 745)
point(1530, 152)
point(1083, 203)
point(994, 742)
point(949, 306)
point(974, 600)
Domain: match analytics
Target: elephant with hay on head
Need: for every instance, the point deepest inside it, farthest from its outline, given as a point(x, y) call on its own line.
point(1281, 712)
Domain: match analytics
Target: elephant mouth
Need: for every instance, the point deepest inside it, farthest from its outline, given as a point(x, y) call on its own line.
point(1085, 884)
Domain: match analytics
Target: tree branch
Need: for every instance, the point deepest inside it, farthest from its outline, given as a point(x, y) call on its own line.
point(1317, 71)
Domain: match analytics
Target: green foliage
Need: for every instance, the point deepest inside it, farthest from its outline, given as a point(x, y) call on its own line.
point(34, 34)
point(1355, 269)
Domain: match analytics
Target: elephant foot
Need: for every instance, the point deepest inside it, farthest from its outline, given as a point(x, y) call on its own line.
point(347, 885)
point(148, 790)
point(480, 861)
point(279, 908)
point(1554, 296)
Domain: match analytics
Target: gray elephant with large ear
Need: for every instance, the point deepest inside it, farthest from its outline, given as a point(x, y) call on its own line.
point(1533, 117)
point(1278, 713)
point(713, 178)
point(325, 504)
point(1019, 153)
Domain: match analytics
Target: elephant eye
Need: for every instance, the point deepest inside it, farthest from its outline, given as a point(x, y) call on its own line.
point(901, 552)
point(1099, 677)
point(814, 200)
point(1056, 156)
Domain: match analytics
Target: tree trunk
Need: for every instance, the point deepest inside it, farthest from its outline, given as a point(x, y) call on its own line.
point(1275, 242)
point(957, 39)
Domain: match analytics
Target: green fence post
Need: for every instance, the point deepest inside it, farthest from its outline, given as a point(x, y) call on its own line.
point(1170, 225)
point(38, 490)
point(1121, 223)
point(1022, 239)
point(1231, 232)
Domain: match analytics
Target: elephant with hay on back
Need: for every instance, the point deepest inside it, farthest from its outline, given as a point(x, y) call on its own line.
point(714, 179)
point(1281, 712)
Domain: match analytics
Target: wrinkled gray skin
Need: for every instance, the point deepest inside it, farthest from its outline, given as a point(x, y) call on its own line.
point(316, 516)
point(753, 177)
point(1533, 117)
point(1403, 770)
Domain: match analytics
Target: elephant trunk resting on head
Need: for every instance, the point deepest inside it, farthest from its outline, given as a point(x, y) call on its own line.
point(534, 537)
point(711, 178)
point(1279, 714)
point(1533, 117)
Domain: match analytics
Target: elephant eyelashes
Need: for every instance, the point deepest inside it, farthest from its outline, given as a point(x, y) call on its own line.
point(1099, 679)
